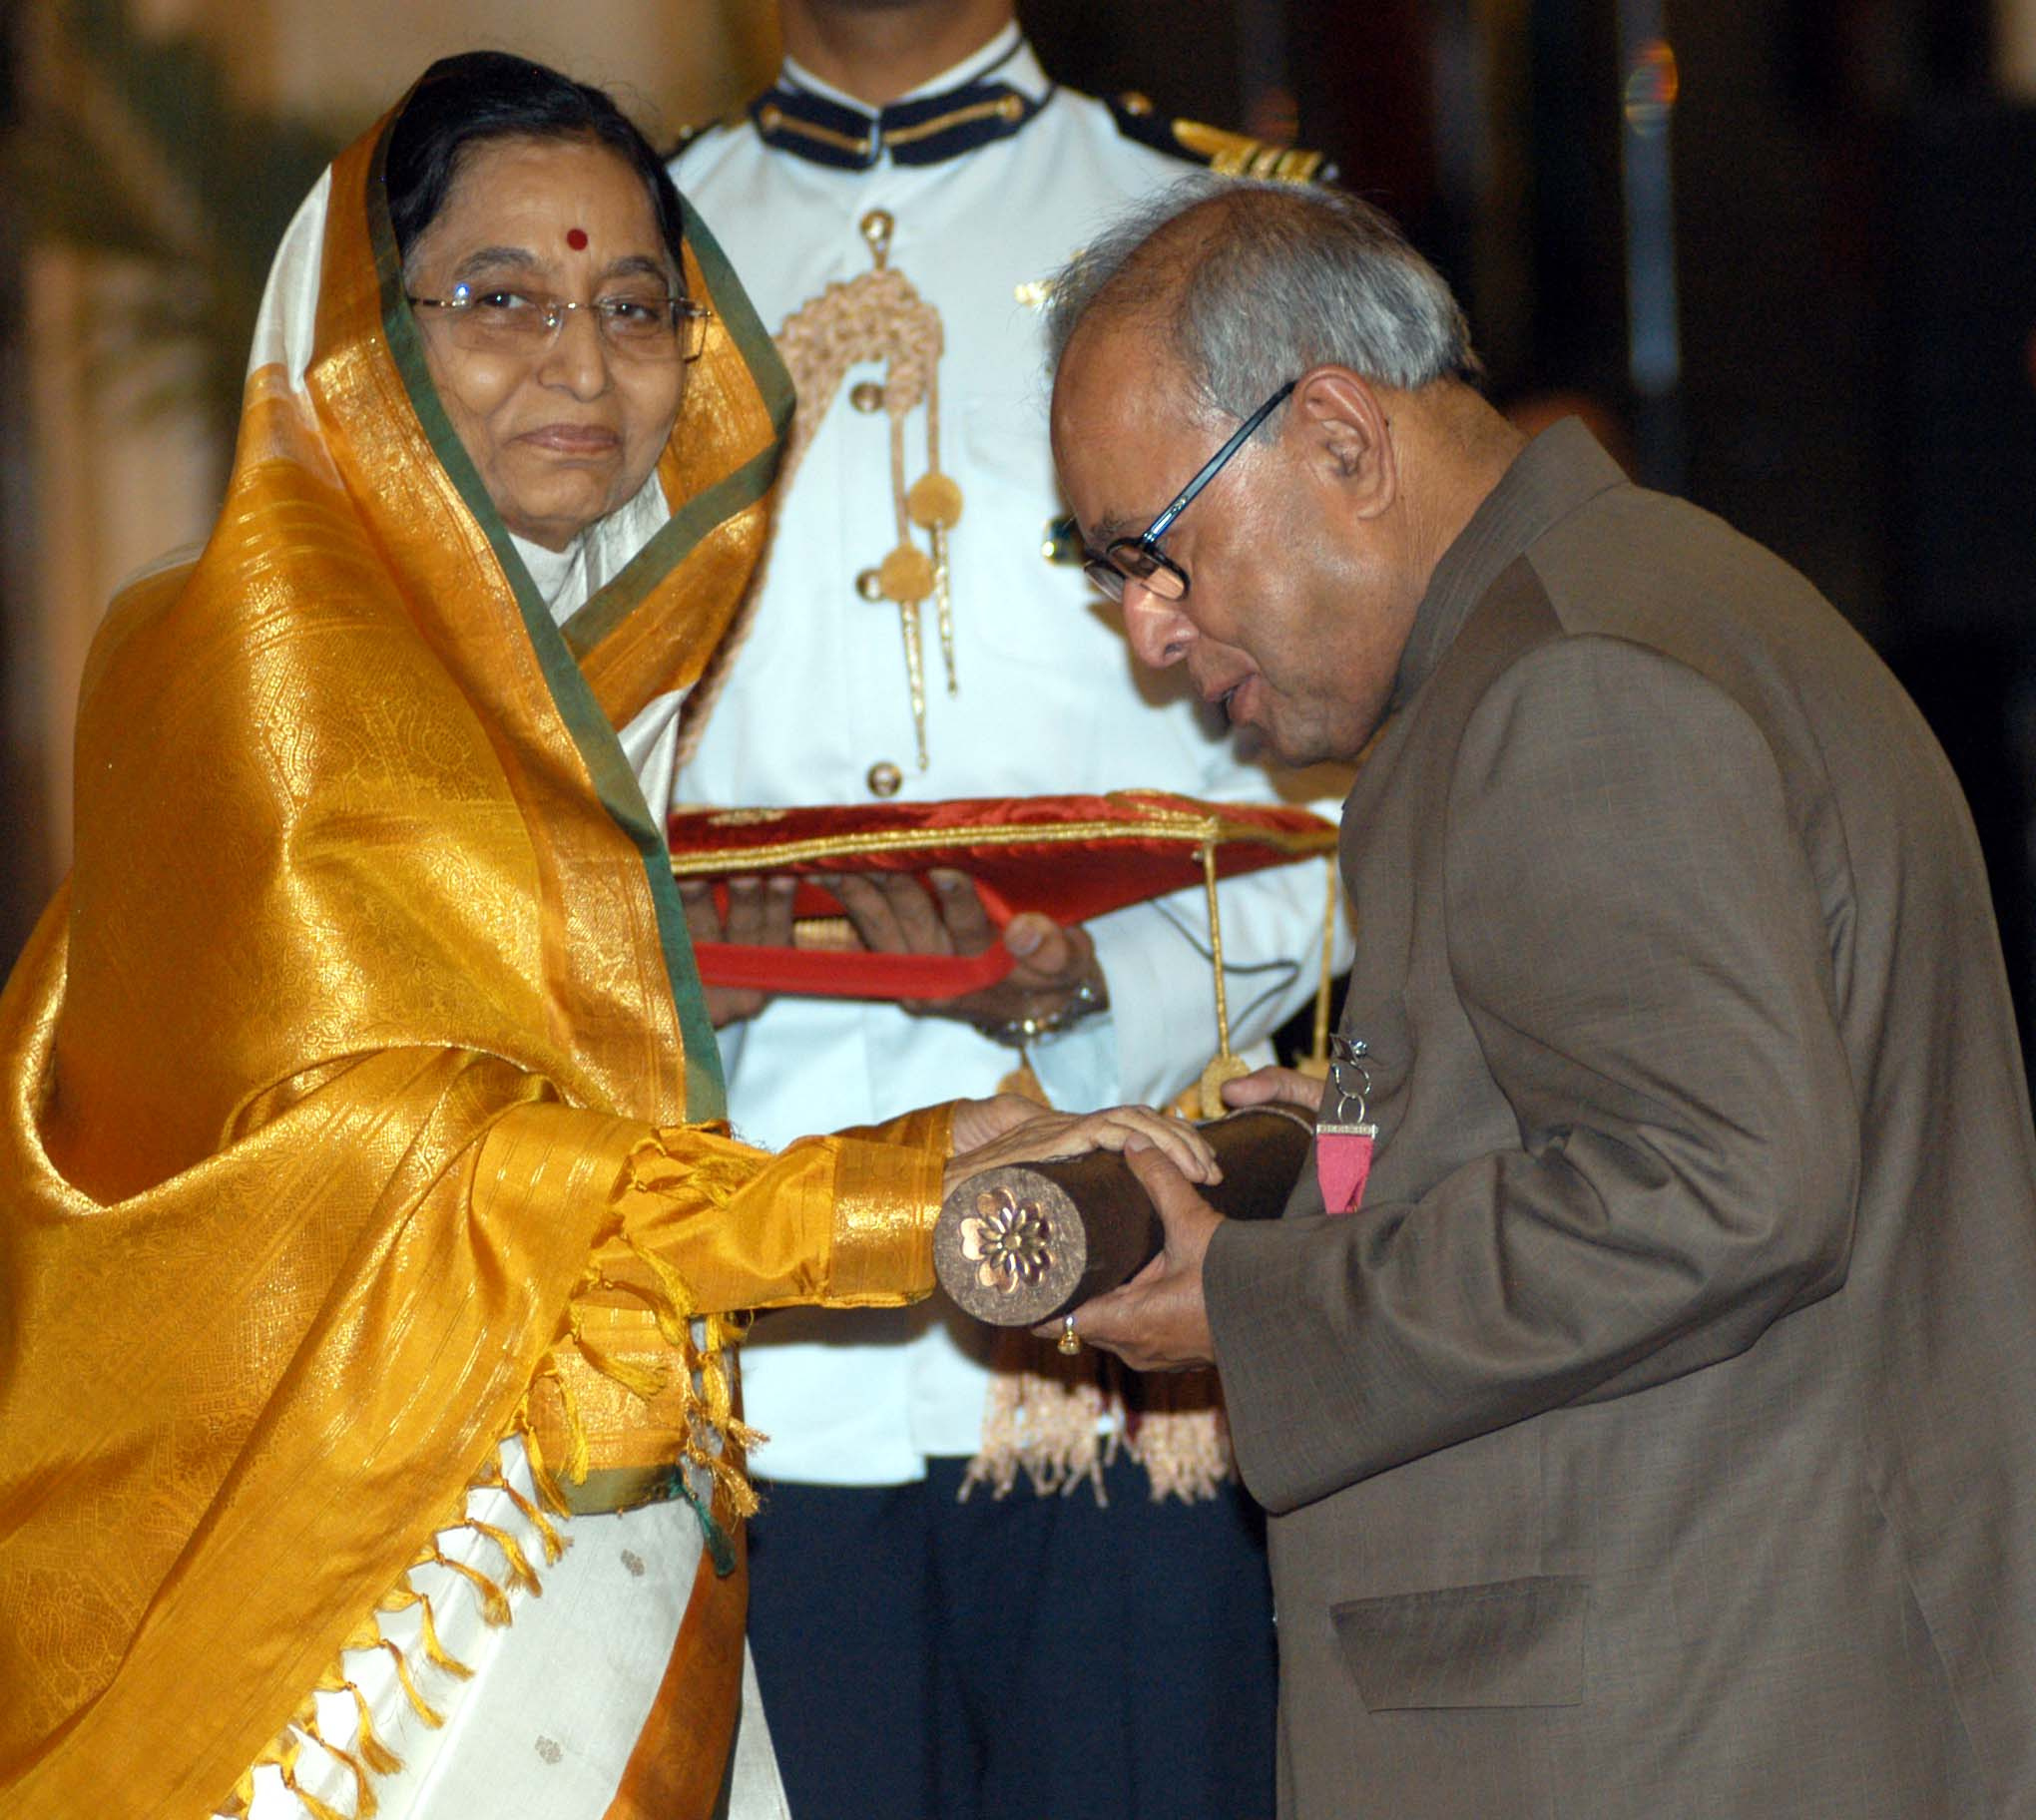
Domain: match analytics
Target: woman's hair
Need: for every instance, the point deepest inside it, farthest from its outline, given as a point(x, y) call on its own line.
point(465, 101)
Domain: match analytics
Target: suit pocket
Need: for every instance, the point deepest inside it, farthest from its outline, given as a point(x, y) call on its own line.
point(1513, 1643)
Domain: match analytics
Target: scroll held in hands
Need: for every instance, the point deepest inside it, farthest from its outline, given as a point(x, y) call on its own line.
point(1026, 1242)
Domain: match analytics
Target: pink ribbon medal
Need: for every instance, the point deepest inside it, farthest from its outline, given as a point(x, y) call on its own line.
point(1344, 1140)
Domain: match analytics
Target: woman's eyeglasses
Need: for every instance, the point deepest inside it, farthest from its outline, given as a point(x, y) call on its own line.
point(1140, 558)
point(634, 325)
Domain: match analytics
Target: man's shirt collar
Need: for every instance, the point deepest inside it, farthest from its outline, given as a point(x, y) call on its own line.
point(987, 96)
point(1550, 478)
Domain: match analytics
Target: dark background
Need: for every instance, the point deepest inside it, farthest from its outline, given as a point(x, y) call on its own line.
point(1853, 249)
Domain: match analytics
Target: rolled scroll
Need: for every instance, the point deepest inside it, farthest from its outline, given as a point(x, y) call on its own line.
point(1026, 1242)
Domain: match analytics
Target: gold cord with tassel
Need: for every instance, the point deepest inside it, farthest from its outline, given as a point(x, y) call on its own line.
point(877, 316)
point(1316, 1061)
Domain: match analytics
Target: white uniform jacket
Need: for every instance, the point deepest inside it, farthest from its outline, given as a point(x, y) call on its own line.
point(1050, 701)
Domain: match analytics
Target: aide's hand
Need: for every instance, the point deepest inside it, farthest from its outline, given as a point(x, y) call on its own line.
point(1002, 1136)
point(1268, 1085)
point(759, 915)
point(1158, 1320)
point(894, 913)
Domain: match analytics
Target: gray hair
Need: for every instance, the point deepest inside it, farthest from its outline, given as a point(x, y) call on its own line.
point(1291, 277)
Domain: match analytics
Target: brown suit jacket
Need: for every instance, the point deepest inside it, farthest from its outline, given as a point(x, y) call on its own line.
point(1659, 1438)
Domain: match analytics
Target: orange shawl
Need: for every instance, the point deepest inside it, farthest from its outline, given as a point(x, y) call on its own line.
point(359, 1072)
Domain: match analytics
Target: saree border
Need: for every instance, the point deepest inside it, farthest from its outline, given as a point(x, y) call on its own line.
point(733, 493)
point(597, 741)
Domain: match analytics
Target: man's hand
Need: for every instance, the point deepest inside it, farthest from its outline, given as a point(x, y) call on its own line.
point(759, 915)
point(1265, 1086)
point(989, 1133)
point(894, 913)
point(1159, 1321)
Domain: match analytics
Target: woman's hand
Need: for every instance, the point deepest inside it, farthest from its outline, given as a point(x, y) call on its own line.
point(989, 1133)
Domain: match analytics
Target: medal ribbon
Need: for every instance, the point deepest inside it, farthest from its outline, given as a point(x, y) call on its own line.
point(1345, 1140)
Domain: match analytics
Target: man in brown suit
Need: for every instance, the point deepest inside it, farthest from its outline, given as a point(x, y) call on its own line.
point(1657, 1438)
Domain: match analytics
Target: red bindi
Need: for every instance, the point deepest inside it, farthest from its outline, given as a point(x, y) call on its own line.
point(576, 239)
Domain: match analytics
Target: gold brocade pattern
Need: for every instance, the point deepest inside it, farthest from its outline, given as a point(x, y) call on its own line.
point(347, 1070)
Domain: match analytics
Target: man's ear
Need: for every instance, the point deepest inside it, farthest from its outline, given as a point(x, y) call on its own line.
point(1342, 422)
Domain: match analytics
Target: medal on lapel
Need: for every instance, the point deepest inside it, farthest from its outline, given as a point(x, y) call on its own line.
point(1344, 1140)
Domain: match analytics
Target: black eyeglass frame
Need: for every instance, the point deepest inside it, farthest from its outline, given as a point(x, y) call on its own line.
point(1110, 571)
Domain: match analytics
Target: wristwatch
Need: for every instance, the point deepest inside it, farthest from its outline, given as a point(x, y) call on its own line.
point(1090, 998)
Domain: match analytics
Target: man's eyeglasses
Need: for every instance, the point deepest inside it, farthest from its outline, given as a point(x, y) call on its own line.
point(1140, 558)
point(635, 325)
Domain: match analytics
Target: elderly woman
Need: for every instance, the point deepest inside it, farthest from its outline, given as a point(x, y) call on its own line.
point(367, 1216)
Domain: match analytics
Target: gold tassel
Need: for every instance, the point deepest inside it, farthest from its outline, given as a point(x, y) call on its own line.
point(742, 1495)
point(418, 1704)
point(319, 1810)
point(435, 1650)
point(512, 1552)
point(578, 1458)
point(401, 1600)
point(1184, 1452)
point(540, 1473)
point(716, 1392)
point(638, 1380)
point(365, 1806)
point(495, 1601)
point(1045, 1423)
point(677, 1304)
point(547, 1532)
point(371, 1750)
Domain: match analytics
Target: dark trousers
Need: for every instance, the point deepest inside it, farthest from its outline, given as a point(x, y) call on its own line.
point(1013, 1659)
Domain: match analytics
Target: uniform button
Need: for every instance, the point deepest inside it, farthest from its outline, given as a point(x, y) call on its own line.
point(869, 584)
point(876, 229)
point(884, 780)
point(868, 396)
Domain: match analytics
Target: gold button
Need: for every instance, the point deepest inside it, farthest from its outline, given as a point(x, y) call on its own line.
point(868, 396)
point(771, 117)
point(876, 229)
point(1009, 107)
point(886, 779)
point(869, 584)
point(1137, 104)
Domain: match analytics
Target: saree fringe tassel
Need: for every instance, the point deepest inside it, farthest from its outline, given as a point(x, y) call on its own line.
point(367, 1757)
point(715, 1442)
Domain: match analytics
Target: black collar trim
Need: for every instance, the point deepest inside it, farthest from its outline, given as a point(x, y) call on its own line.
point(925, 130)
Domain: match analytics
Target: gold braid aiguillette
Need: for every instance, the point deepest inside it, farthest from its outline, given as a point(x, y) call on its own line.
point(877, 316)
point(934, 504)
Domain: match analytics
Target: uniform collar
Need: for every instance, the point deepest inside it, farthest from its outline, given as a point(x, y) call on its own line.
point(988, 96)
point(1550, 478)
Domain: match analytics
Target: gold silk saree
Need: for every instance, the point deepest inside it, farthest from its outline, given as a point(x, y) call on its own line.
point(357, 1103)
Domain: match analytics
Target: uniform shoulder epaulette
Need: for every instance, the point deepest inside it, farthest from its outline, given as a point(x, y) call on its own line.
point(1226, 154)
